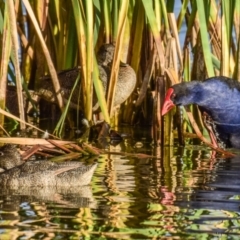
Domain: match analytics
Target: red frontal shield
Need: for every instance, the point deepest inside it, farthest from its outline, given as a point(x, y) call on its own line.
point(168, 103)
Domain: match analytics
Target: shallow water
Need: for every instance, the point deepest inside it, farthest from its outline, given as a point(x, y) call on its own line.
point(186, 194)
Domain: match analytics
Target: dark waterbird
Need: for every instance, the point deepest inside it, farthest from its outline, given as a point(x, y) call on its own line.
point(16, 173)
point(218, 98)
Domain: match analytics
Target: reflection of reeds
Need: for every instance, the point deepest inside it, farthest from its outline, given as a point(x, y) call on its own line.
point(146, 35)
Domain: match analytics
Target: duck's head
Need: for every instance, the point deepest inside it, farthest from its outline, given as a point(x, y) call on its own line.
point(105, 54)
point(9, 157)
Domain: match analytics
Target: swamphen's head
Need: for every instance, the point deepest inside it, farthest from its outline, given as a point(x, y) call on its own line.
point(182, 94)
point(219, 97)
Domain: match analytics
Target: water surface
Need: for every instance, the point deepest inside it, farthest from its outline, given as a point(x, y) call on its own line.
point(170, 193)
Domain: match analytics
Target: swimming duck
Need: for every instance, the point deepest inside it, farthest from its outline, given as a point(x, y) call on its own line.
point(219, 98)
point(16, 173)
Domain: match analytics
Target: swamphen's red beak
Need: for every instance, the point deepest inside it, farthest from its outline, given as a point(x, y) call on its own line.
point(168, 103)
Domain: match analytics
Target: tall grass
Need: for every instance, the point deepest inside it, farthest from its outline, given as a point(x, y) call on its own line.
point(62, 34)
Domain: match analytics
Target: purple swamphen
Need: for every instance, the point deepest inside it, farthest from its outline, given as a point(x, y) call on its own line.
point(218, 97)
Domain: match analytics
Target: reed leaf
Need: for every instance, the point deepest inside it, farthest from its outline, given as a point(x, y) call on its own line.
point(116, 59)
point(165, 17)
point(137, 27)
point(50, 64)
point(97, 21)
point(116, 5)
point(237, 33)
point(204, 37)
point(79, 20)
point(5, 54)
point(186, 64)
point(70, 53)
point(60, 125)
point(158, 13)
point(182, 14)
point(42, 12)
point(237, 18)
point(154, 27)
point(89, 67)
point(225, 66)
point(173, 25)
point(105, 23)
point(100, 92)
point(15, 47)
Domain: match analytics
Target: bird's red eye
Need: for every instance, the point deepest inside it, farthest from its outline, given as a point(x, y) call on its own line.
point(173, 95)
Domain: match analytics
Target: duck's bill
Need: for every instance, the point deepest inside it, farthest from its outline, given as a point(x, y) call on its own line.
point(168, 103)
